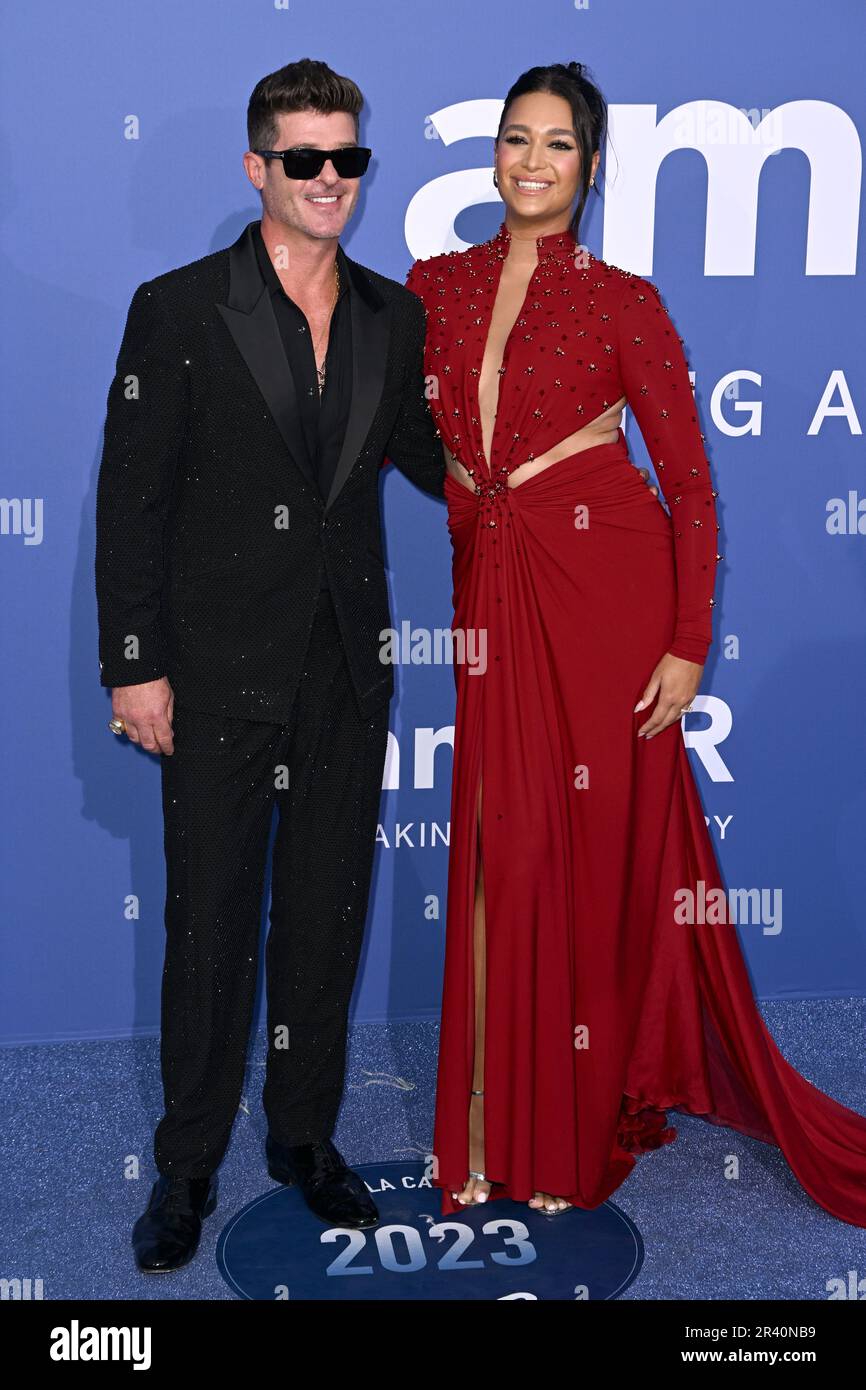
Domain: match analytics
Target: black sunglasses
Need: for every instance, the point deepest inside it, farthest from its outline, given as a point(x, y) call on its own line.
point(350, 162)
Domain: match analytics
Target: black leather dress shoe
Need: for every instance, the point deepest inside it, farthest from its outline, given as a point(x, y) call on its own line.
point(166, 1235)
point(330, 1189)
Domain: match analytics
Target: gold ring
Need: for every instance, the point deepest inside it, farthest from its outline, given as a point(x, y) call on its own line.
point(117, 726)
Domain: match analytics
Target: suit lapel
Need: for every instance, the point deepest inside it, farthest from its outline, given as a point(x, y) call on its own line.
point(250, 318)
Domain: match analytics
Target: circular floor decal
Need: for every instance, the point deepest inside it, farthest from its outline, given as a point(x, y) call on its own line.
point(275, 1248)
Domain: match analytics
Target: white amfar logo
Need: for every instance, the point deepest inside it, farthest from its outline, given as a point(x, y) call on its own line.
point(734, 152)
point(77, 1343)
point(704, 742)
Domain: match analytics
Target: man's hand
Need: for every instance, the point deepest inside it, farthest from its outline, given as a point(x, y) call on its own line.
point(676, 682)
point(147, 711)
point(644, 472)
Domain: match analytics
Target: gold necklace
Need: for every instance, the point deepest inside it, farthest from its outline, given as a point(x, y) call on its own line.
point(320, 371)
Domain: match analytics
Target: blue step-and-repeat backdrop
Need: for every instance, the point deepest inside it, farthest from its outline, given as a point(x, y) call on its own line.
point(733, 180)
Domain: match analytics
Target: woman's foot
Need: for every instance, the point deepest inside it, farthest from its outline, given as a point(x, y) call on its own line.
point(477, 1189)
point(543, 1201)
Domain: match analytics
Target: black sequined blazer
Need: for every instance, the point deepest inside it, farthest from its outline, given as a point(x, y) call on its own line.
point(211, 533)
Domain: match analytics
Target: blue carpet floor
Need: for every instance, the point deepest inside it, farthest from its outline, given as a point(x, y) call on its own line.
point(78, 1120)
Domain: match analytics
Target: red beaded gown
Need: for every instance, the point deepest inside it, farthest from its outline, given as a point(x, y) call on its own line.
point(603, 1009)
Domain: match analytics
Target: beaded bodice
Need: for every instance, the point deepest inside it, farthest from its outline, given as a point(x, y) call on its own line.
point(587, 334)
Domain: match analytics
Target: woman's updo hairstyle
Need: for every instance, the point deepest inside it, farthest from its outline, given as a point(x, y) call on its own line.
point(588, 115)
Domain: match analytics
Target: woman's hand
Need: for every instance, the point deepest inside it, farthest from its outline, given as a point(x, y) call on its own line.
point(676, 682)
point(645, 474)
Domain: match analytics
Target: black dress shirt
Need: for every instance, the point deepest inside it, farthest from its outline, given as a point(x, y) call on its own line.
point(323, 416)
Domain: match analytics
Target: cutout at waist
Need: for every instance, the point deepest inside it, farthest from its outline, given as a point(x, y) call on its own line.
point(616, 447)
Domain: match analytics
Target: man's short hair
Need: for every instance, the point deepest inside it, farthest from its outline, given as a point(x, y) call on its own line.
point(306, 85)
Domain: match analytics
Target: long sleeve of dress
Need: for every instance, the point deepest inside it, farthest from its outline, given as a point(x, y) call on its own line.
point(658, 389)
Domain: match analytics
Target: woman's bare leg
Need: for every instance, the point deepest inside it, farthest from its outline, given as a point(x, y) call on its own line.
point(476, 1190)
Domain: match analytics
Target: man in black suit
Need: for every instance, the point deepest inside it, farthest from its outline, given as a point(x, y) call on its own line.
point(241, 593)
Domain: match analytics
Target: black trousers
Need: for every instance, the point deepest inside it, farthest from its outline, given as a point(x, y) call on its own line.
point(323, 771)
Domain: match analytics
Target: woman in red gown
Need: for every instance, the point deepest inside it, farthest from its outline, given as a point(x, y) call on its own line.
point(578, 1005)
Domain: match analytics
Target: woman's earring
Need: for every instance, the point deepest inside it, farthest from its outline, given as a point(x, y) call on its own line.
point(495, 180)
